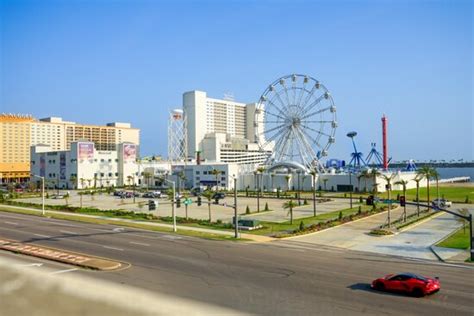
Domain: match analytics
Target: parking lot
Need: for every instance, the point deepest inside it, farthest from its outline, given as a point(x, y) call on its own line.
point(223, 211)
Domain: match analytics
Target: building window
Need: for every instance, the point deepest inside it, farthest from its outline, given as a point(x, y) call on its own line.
point(102, 160)
point(110, 174)
point(223, 178)
point(204, 172)
point(116, 174)
point(198, 178)
point(101, 175)
point(197, 172)
point(110, 160)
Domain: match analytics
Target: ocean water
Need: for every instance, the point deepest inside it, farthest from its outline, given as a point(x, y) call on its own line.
point(446, 173)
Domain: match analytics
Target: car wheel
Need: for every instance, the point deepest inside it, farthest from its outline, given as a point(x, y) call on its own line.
point(417, 292)
point(379, 286)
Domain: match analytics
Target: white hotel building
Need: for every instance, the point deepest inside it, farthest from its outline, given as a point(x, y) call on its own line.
point(221, 130)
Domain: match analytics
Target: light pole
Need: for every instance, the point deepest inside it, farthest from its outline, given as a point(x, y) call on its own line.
point(42, 192)
point(236, 224)
point(173, 214)
point(350, 187)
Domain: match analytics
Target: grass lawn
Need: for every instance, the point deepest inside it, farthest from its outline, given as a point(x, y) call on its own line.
point(117, 223)
point(458, 240)
point(272, 228)
point(456, 193)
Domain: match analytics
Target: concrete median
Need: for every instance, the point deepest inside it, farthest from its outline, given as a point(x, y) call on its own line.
point(68, 257)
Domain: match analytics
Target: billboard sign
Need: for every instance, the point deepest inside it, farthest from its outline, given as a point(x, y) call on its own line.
point(85, 150)
point(129, 152)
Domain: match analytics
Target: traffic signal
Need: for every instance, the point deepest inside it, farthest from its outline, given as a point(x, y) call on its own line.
point(178, 202)
point(402, 200)
point(151, 205)
point(370, 200)
point(199, 201)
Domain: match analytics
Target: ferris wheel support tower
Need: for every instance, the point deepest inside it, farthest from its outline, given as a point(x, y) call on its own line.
point(177, 136)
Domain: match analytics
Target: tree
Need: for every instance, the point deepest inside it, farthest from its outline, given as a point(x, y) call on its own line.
point(374, 173)
point(404, 183)
point(289, 205)
point(73, 180)
point(83, 181)
point(417, 179)
point(89, 181)
point(208, 195)
point(95, 180)
point(426, 172)
point(81, 193)
point(325, 181)
point(147, 176)
point(435, 175)
point(388, 179)
point(463, 212)
point(66, 198)
point(364, 175)
point(288, 178)
point(216, 173)
point(257, 172)
point(272, 176)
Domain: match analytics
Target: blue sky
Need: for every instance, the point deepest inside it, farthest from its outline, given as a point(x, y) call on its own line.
point(102, 61)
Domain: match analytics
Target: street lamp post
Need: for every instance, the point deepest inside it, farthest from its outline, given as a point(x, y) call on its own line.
point(350, 188)
point(236, 224)
point(173, 213)
point(42, 192)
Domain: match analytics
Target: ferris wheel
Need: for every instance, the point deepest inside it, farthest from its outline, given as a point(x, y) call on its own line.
point(295, 119)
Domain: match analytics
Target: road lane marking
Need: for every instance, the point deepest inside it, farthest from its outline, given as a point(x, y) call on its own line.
point(43, 236)
point(11, 223)
point(67, 232)
point(63, 271)
point(139, 243)
point(113, 248)
point(31, 265)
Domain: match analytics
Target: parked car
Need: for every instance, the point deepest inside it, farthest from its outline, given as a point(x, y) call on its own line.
point(118, 193)
point(409, 283)
point(57, 196)
point(218, 195)
point(441, 203)
point(197, 191)
point(156, 194)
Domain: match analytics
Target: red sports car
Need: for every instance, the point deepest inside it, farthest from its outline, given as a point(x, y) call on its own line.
point(409, 283)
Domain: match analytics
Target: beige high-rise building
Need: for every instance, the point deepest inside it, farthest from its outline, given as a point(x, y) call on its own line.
point(19, 132)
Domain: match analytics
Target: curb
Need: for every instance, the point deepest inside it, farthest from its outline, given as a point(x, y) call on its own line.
point(68, 257)
point(436, 254)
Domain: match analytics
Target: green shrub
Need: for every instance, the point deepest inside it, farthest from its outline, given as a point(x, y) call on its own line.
point(340, 215)
point(359, 211)
point(266, 207)
point(305, 202)
point(301, 226)
point(247, 210)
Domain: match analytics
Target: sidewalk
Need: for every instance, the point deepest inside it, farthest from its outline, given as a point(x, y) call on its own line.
point(255, 238)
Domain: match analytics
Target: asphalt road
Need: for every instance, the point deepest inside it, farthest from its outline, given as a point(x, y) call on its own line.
point(277, 278)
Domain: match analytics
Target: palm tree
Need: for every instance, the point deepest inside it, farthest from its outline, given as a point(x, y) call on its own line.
point(435, 175)
point(82, 180)
point(208, 195)
point(426, 172)
point(388, 179)
point(364, 174)
point(147, 176)
point(95, 180)
point(313, 173)
point(325, 181)
point(66, 198)
point(403, 183)
point(417, 179)
point(73, 180)
point(216, 173)
point(260, 171)
point(374, 173)
point(272, 176)
point(290, 205)
point(288, 178)
point(89, 181)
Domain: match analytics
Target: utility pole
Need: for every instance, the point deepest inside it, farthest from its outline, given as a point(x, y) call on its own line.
point(350, 185)
point(236, 235)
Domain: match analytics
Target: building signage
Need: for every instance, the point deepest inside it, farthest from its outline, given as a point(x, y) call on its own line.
point(129, 152)
point(86, 150)
point(62, 166)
